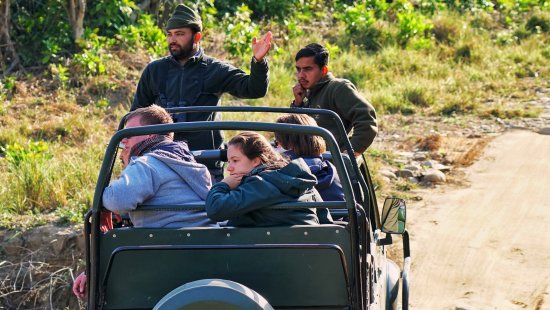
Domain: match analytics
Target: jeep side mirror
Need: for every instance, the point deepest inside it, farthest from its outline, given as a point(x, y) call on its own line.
point(394, 215)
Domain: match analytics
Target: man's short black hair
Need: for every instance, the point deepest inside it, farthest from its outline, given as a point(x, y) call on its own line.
point(317, 51)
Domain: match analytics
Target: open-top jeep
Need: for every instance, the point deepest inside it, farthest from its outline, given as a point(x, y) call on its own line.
point(332, 266)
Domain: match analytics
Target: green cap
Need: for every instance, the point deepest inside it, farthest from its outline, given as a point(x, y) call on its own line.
point(183, 17)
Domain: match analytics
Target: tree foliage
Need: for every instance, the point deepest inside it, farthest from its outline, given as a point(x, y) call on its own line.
point(40, 32)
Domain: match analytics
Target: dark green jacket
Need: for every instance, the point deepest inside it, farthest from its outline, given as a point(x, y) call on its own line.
point(245, 205)
point(199, 82)
point(357, 114)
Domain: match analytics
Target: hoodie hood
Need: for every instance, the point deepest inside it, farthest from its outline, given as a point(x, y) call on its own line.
point(322, 169)
point(294, 179)
point(193, 173)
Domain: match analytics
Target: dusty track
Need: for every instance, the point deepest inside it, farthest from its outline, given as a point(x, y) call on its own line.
point(487, 246)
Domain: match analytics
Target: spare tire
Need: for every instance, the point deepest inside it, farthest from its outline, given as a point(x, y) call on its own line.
point(212, 294)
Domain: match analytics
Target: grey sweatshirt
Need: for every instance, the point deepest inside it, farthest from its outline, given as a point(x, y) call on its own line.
point(157, 180)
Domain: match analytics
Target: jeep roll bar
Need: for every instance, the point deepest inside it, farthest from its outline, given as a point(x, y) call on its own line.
point(365, 185)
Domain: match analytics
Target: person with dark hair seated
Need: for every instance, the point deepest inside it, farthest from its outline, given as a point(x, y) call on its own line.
point(260, 177)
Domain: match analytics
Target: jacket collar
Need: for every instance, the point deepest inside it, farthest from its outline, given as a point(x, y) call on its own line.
point(322, 82)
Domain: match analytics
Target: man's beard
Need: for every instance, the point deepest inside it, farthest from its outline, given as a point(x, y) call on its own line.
point(185, 52)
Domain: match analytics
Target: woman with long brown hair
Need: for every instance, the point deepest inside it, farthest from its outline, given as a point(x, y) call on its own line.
point(260, 177)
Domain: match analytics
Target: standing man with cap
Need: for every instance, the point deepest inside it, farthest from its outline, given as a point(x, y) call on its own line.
point(318, 88)
point(188, 77)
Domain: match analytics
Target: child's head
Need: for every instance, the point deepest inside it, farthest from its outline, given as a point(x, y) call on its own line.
point(249, 149)
point(301, 145)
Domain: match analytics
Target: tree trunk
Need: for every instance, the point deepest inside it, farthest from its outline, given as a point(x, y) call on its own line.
point(76, 10)
point(150, 6)
point(160, 9)
point(167, 8)
point(9, 60)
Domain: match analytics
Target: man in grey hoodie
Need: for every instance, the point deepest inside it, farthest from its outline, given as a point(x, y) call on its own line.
point(158, 171)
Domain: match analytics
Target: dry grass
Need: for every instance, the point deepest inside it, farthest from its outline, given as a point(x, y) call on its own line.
point(463, 152)
point(431, 143)
point(33, 284)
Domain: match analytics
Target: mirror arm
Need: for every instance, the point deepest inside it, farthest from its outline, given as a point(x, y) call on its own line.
point(406, 245)
point(386, 241)
point(405, 283)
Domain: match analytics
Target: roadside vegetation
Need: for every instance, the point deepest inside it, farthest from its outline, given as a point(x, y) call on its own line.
point(63, 90)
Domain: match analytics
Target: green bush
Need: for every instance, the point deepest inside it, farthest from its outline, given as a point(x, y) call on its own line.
point(60, 74)
point(463, 53)
point(239, 31)
point(359, 22)
point(106, 17)
point(16, 154)
point(145, 34)
point(470, 5)
point(538, 23)
point(411, 25)
point(41, 31)
point(94, 56)
point(260, 9)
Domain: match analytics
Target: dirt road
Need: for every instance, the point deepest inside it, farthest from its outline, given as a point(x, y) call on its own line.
point(487, 246)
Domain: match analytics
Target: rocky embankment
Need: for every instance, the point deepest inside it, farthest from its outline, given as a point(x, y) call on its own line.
point(37, 267)
point(432, 150)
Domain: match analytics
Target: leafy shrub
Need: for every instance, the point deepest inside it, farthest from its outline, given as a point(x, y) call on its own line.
point(35, 151)
point(359, 22)
point(106, 17)
point(430, 7)
point(260, 9)
point(9, 83)
point(143, 35)
point(505, 38)
point(60, 74)
point(208, 12)
point(94, 56)
point(239, 31)
point(463, 53)
point(470, 5)
point(538, 23)
point(411, 24)
point(40, 35)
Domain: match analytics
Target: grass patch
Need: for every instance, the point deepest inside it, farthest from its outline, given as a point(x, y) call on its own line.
point(480, 62)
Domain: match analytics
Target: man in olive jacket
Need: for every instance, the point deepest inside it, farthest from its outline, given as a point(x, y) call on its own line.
point(318, 88)
point(188, 77)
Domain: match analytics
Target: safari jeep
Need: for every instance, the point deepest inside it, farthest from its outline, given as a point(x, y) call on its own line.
point(333, 266)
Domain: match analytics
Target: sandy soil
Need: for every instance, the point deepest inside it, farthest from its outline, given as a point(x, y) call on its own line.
point(487, 246)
